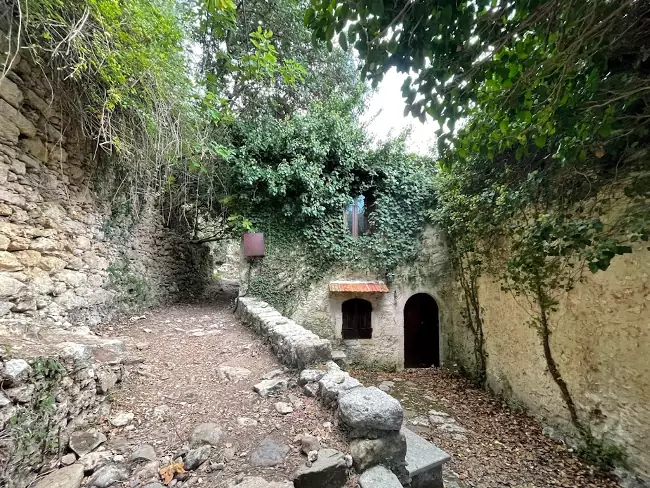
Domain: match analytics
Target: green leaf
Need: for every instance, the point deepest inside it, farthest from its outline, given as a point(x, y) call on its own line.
point(343, 41)
point(540, 141)
point(310, 15)
point(503, 125)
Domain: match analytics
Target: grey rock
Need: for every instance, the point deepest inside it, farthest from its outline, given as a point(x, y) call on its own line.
point(389, 450)
point(108, 476)
point(438, 413)
point(283, 408)
point(145, 452)
point(365, 410)
point(153, 485)
point(386, 386)
point(273, 374)
point(421, 455)
point(148, 472)
point(335, 384)
point(195, 457)
point(379, 477)
point(68, 459)
point(310, 376)
point(83, 442)
point(270, 387)
point(310, 389)
point(21, 394)
point(452, 428)
point(246, 422)
point(68, 477)
point(233, 373)
point(269, 453)
point(105, 381)
point(121, 419)
point(16, 370)
point(309, 443)
point(437, 419)
point(328, 471)
point(208, 433)
point(94, 460)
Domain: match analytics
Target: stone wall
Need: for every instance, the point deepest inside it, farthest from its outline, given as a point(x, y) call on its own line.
point(601, 342)
point(64, 256)
point(54, 383)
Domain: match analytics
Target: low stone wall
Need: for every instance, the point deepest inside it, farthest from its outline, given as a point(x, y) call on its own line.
point(294, 345)
point(50, 388)
point(371, 418)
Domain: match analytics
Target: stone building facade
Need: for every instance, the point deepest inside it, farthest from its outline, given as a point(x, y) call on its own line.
point(600, 340)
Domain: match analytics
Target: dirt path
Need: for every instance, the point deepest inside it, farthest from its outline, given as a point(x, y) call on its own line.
point(491, 447)
point(178, 386)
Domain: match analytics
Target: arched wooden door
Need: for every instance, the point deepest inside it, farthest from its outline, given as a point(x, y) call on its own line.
point(421, 332)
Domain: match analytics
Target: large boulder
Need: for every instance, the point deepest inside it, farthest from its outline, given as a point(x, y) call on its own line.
point(367, 411)
point(328, 471)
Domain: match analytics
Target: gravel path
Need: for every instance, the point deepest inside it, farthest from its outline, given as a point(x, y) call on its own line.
point(491, 446)
point(177, 386)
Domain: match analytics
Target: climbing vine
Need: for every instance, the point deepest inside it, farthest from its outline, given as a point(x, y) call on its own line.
point(543, 109)
point(295, 177)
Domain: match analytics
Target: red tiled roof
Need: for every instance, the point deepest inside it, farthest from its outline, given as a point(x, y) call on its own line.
point(358, 287)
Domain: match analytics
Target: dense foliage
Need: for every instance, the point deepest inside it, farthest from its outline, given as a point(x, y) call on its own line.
point(544, 109)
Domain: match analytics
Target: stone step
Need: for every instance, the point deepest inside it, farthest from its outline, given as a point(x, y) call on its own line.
point(424, 461)
point(379, 477)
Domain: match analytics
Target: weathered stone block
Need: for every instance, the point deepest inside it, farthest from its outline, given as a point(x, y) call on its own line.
point(8, 262)
point(368, 410)
point(389, 450)
point(424, 461)
point(9, 287)
point(328, 471)
point(379, 477)
point(11, 93)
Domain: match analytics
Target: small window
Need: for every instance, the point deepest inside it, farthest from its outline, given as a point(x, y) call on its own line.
point(356, 214)
point(357, 319)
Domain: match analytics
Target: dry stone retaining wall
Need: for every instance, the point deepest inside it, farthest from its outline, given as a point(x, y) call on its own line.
point(64, 256)
point(51, 388)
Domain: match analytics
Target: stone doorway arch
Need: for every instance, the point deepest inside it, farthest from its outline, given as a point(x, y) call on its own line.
point(421, 332)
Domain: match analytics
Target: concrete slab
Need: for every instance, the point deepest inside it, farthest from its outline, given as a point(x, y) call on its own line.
point(421, 455)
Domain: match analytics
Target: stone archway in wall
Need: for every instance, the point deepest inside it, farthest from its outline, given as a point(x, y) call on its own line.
point(421, 332)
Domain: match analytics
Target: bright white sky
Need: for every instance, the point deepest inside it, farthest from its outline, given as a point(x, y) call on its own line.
point(387, 101)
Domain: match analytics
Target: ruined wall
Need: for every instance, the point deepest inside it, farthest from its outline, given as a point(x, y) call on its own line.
point(64, 257)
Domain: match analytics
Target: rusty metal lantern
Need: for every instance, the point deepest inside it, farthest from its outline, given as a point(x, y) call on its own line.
point(253, 243)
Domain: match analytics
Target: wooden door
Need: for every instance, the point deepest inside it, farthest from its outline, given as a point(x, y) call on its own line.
point(421, 332)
